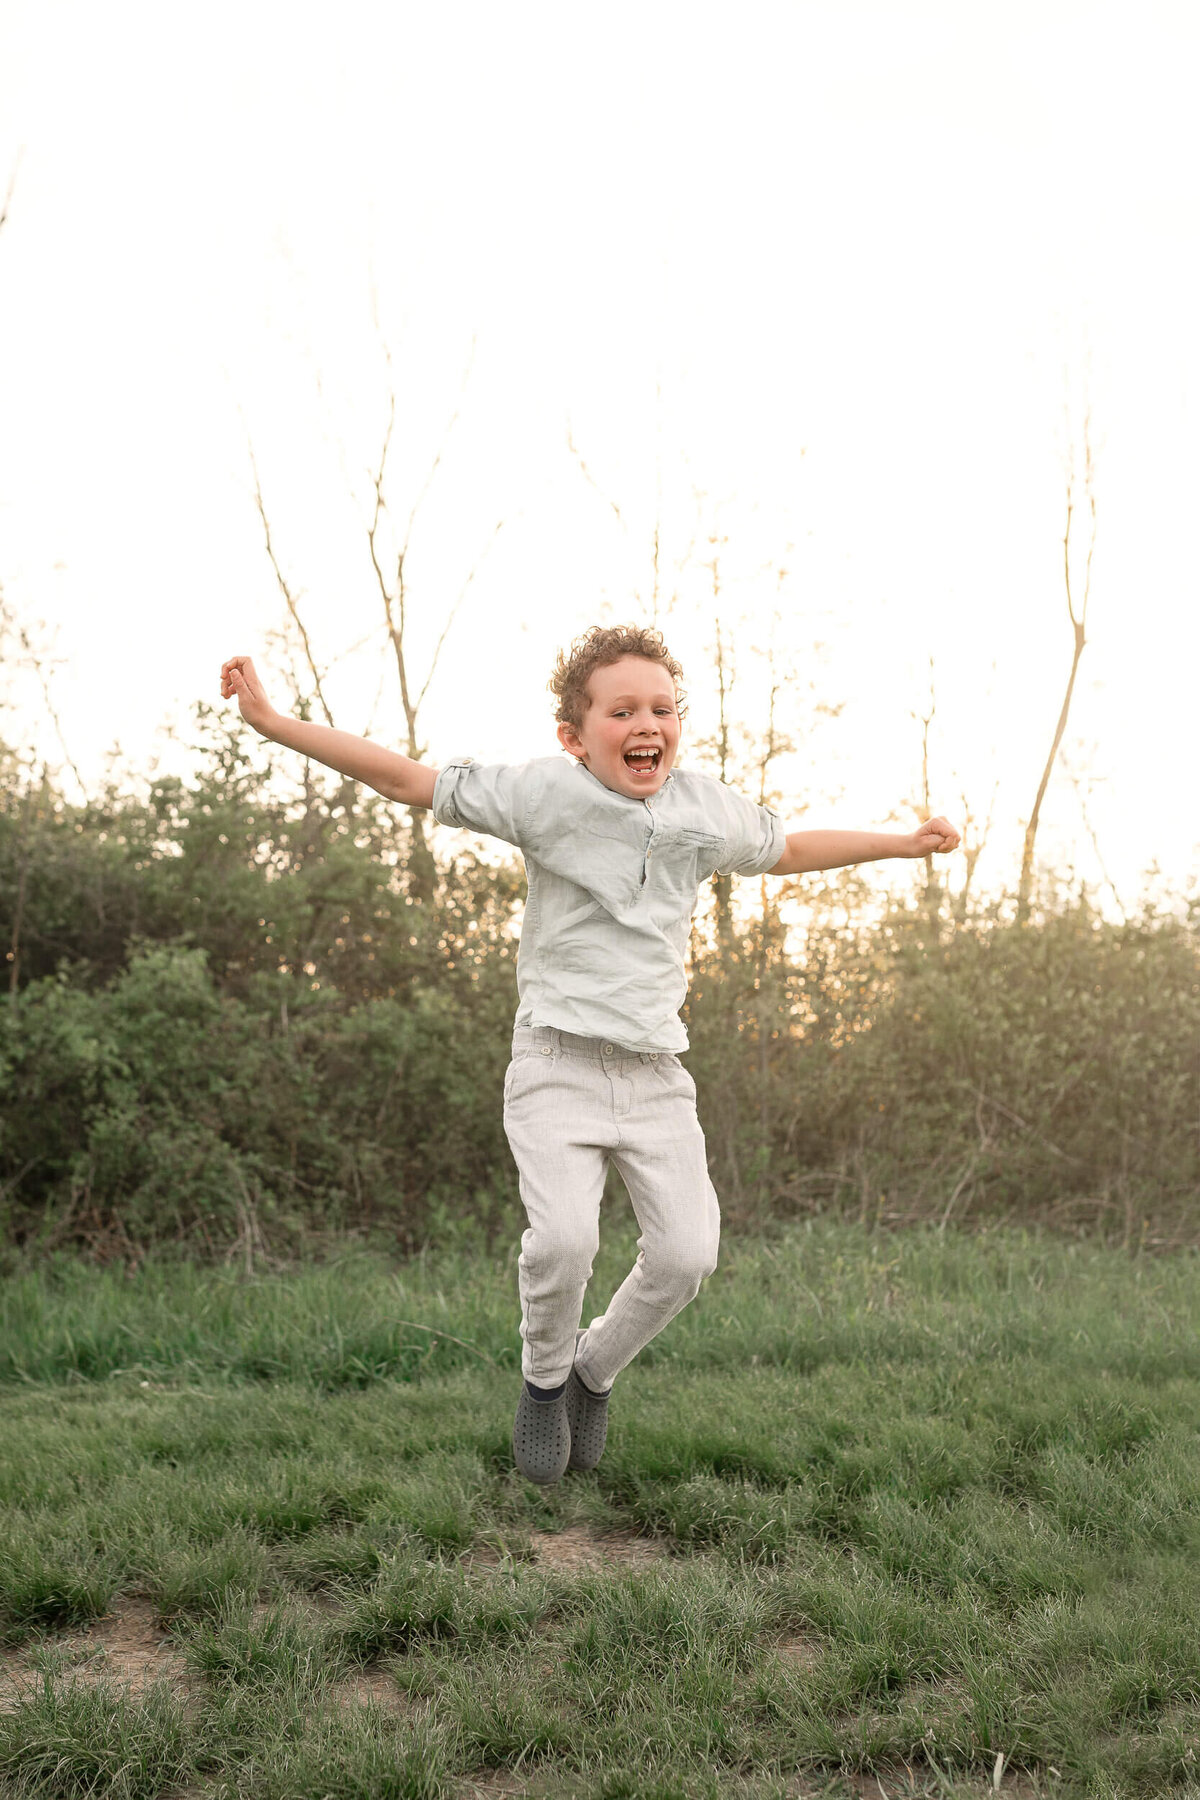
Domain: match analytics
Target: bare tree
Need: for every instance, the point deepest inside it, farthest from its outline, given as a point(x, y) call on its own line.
point(660, 602)
point(722, 745)
point(774, 742)
point(933, 892)
point(36, 797)
point(391, 578)
point(974, 843)
point(293, 631)
point(289, 598)
point(1084, 785)
point(393, 591)
point(7, 624)
point(770, 974)
point(608, 500)
point(39, 660)
point(18, 919)
point(9, 192)
point(1078, 618)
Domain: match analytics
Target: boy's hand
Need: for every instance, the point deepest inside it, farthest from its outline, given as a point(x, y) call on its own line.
point(932, 838)
point(238, 678)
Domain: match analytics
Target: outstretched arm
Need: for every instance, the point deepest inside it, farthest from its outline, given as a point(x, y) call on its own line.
point(809, 850)
point(396, 777)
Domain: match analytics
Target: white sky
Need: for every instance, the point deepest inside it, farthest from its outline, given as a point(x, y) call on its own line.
point(850, 272)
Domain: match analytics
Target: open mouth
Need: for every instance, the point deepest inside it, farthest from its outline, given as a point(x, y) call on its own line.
point(643, 763)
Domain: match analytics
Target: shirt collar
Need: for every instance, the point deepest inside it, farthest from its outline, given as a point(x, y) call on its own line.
point(632, 798)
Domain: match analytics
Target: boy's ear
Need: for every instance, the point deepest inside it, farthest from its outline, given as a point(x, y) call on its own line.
point(570, 740)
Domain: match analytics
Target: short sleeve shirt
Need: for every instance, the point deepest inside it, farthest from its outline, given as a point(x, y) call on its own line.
point(613, 882)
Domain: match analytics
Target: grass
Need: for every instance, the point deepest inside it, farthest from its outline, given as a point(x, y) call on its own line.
point(923, 1502)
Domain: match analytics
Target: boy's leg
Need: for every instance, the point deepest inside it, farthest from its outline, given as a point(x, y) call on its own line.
point(662, 1160)
point(560, 1141)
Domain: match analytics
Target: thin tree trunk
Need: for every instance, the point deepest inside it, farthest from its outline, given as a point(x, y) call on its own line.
point(289, 599)
point(1078, 622)
point(722, 884)
point(394, 595)
point(14, 954)
point(933, 890)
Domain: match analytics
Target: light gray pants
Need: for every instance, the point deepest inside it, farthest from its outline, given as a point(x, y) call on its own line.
point(572, 1105)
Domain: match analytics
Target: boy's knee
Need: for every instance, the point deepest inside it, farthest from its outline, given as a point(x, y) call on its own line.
point(560, 1256)
point(700, 1266)
point(682, 1267)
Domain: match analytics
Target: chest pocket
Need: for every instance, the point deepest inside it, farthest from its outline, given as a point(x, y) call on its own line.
point(685, 856)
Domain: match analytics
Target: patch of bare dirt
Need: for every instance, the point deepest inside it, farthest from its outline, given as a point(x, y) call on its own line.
point(491, 1784)
point(126, 1646)
point(129, 1648)
point(372, 1687)
point(576, 1547)
point(802, 1652)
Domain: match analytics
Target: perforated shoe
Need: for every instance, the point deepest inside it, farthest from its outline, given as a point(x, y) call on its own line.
point(587, 1415)
point(541, 1438)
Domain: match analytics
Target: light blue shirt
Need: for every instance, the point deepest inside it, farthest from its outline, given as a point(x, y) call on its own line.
point(612, 885)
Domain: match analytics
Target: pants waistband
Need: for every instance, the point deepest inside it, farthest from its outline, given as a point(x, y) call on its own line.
point(550, 1039)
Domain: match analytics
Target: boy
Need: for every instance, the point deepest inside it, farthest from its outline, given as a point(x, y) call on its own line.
point(616, 844)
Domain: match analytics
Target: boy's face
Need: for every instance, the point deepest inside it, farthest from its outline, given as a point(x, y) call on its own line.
point(630, 733)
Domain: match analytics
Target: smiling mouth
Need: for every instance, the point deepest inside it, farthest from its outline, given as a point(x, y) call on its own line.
point(642, 762)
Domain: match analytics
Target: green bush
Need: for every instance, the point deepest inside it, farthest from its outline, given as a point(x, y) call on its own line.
point(159, 1109)
point(923, 1068)
point(232, 1021)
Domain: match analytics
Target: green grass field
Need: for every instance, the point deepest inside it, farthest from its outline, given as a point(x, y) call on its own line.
point(877, 1511)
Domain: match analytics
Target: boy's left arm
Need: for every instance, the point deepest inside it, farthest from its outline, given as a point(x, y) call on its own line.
point(810, 850)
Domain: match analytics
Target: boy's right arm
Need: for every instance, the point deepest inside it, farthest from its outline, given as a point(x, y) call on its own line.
point(394, 776)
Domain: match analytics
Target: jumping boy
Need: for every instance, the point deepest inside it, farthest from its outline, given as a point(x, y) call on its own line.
point(616, 843)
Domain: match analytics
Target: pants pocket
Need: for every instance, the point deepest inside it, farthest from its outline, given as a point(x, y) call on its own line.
point(516, 1076)
point(672, 1074)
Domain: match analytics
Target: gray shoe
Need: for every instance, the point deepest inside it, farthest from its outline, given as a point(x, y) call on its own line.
point(541, 1438)
point(587, 1415)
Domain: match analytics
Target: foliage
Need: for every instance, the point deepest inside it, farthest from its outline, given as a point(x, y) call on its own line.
point(918, 1065)
point(233, 1023)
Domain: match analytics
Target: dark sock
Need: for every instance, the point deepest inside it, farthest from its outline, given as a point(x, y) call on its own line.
point(601, 1394)
point(545, 1393)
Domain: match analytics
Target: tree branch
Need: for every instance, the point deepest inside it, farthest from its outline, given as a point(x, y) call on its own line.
point(1078, 624)
point(436, 463)
point(589, 477)
point(925, 720)
point(36, 664)
point(392, 600)
point(288, 597)
point(11, 189)
point(462, 594)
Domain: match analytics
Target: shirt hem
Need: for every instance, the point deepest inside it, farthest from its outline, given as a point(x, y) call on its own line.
point(586, 1028)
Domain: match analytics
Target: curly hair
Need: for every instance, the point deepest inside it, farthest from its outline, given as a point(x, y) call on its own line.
point(599, 646)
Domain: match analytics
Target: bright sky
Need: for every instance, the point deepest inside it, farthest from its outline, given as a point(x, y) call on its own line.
point(837, 280)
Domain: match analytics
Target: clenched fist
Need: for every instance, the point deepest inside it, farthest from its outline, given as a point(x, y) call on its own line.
point(932, 838)
point(239, 680)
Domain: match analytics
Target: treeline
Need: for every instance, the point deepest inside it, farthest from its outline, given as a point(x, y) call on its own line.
point(232, 1022)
